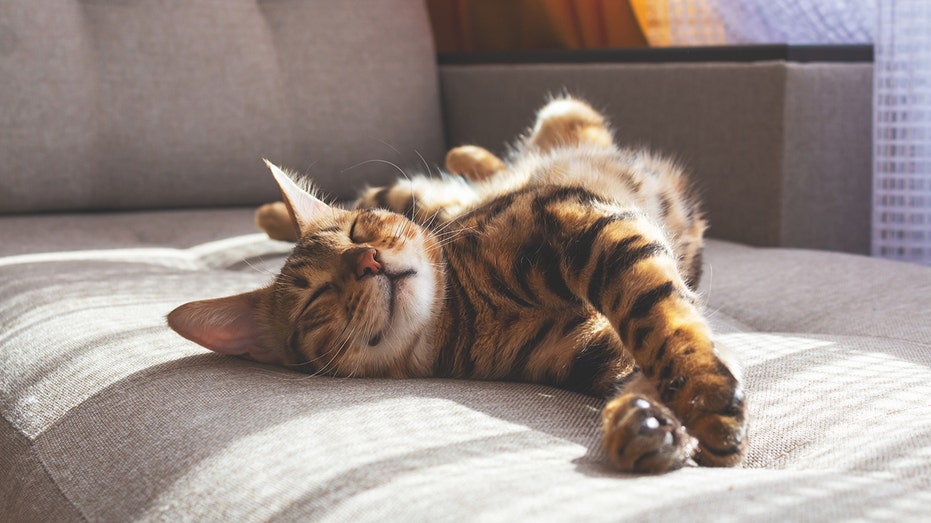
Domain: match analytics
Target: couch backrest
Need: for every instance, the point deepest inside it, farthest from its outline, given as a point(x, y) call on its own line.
point(115, 104)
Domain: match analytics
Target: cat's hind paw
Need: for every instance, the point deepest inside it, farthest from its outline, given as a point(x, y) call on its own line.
point(473, 162)
point(643, 436)
point(569, 122)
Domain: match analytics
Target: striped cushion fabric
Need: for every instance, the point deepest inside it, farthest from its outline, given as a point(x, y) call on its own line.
point(109, 416)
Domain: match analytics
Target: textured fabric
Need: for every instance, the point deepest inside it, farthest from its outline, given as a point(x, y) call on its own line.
point(27, 493)
point(109, 416)
point(41, 233)
point(176, 102)
point(781, 151)
point(826, 184)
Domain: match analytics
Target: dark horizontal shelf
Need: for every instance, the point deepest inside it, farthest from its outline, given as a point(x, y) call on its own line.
point(730, 53)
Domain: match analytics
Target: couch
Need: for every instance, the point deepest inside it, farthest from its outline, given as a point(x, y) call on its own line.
point(131, 139)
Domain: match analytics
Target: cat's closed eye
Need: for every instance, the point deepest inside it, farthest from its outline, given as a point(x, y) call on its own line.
point(352, 231)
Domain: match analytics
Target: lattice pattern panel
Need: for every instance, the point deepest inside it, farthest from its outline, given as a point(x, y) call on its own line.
point(902, 127)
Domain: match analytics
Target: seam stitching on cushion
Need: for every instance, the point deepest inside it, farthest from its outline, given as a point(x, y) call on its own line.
point(32, 451)
point(54, 481)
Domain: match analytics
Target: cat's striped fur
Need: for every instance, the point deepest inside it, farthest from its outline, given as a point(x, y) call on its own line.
point(572, 265)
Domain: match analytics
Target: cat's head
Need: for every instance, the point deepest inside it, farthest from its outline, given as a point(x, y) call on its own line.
point(357, 296)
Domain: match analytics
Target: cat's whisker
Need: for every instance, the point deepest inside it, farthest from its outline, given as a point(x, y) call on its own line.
point(446, 241)
point(711, 313)
point(336, 352)
point(422, 160)
point(377, 160)
point(707, 296)
point(413, 201)
point(407, 229)
point(445, 226)
point(454, 232)
point(259, 269)
point(310, 361)
point(386, 144)
point(322, 355)
point(428, 224)
point(445, 230)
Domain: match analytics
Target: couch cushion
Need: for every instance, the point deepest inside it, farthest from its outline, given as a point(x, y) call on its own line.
point(175, 102)
point(116, 418)
point(44, 233)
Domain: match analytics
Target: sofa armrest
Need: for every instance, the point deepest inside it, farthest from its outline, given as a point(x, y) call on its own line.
point(777, 141)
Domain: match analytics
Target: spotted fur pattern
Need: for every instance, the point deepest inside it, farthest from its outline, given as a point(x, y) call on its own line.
point(572, 264)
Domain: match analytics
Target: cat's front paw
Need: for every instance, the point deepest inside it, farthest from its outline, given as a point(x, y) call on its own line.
point(273, 218)
point(716, 417)
point(643, 436)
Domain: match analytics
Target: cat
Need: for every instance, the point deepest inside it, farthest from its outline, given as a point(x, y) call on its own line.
point(572, 264)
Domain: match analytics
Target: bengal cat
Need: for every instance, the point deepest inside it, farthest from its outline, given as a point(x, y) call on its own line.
point(573, 264)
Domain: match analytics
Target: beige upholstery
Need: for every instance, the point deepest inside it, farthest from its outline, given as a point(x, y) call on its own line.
point(109, 416)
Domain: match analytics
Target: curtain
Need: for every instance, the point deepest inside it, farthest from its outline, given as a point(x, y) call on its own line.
point(902, 132)
point(502, 25)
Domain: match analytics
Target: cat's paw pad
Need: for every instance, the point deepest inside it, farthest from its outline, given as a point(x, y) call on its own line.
point(644, 436)
point(717, 419)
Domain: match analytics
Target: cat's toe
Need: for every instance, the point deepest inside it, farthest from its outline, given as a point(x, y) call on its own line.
point(643, 436)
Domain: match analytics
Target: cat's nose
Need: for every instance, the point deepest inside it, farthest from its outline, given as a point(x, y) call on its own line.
point(365, 262)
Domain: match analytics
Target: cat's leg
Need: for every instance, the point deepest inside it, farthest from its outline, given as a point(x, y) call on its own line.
point(273, 218)
point(621, 264)
point(473, 162)
point(640, 434)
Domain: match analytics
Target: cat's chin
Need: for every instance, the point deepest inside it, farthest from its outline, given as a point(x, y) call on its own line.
point(393, 290)
point(401, 307)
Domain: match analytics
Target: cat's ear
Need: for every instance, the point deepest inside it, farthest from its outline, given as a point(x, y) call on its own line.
point(226, 325)
point(303, 207)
